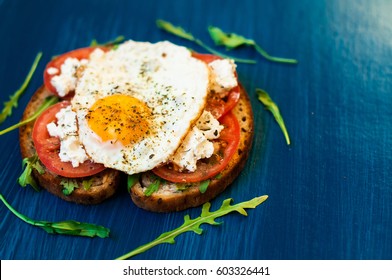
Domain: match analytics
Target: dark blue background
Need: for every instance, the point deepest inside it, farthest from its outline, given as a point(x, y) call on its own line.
point(330, 192)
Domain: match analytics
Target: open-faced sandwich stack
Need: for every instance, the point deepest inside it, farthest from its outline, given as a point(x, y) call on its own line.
point(177, 124)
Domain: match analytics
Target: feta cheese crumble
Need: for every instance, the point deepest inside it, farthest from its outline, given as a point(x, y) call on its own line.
point(196, 144)
point(66, 81)
point(52, 71)
point(71, 150)
point(222, 75)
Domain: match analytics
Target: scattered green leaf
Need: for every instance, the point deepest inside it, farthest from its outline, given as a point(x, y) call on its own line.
point(182, 186)
point(273, 108)
point(132, 180)
point(189, 224)
point(204, 186)
point(180, 32)
point(64, 227)
point(175, 30)
point(113, 42)
point(232, 40)
point(153, 187)
point(69, 185)
point(87, 184)
point(13, 102)
point(49, 101)
point(229, 40)
point(29, 164)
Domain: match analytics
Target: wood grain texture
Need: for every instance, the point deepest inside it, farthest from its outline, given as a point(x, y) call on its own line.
point(330, 192)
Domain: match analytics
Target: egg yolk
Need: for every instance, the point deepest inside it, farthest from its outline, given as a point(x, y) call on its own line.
point(120, 118)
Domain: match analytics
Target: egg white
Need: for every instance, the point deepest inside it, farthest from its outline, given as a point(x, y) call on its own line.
point(165, 77)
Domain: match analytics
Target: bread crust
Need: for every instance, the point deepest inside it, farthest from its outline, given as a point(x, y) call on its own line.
point(103, 184)
point(192, 197)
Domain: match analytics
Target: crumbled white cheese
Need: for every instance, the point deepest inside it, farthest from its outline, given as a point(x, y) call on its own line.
point(52, 71)
point(71, 150)
point(196, 144)
point(209, 125)
point(222, 74)
point(66, 81)
point(96, 54)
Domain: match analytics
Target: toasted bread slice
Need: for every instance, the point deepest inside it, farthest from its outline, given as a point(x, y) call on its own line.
point(101, 186)
point(169, 198)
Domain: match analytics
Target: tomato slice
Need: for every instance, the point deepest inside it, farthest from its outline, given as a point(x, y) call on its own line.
point(207, 168)
point(206, 57)
point(47, 147)
point(216, 105)
point(219, 107)
point(82, 53)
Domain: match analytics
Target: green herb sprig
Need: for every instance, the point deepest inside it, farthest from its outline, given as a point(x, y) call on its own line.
point(49, 101)
point(114, 42)
point(232, 41)
point(64, 227)
point(87, 184)
point(69, 186)
point(193, 225)
point(132, 180)
point(14, 98)
point(29, 164)
point(204, 186)
point(273, 108)
point(180, 32)
point(153, 187)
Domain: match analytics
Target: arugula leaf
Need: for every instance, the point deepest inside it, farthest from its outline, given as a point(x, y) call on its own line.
point(180, 32)
point(114, 42)
point(13, 102)
point(175, 30)
point(229, 40)
point(71, 227)
point(49, 101)
point(273, 108)
point(69, 186)
point(182, 186)
point(204, 186)
point(26, 178)
point(153, 187)
point(232, 40)
point(64, 227)
point(131, 181)
point(87, 184)
point(189, 224)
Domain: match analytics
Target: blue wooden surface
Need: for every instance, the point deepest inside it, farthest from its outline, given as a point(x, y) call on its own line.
point(330, 192)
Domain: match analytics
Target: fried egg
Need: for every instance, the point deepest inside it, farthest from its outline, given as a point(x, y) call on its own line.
point(135, 104)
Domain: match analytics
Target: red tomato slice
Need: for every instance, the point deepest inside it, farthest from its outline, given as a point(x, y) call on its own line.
point(83, 53)
point(229, 138)
point(48, 147)
point(206, 57)
point(220, 107)
point(216, 105)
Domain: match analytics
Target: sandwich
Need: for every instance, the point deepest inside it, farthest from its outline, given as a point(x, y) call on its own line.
point(174, 125)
